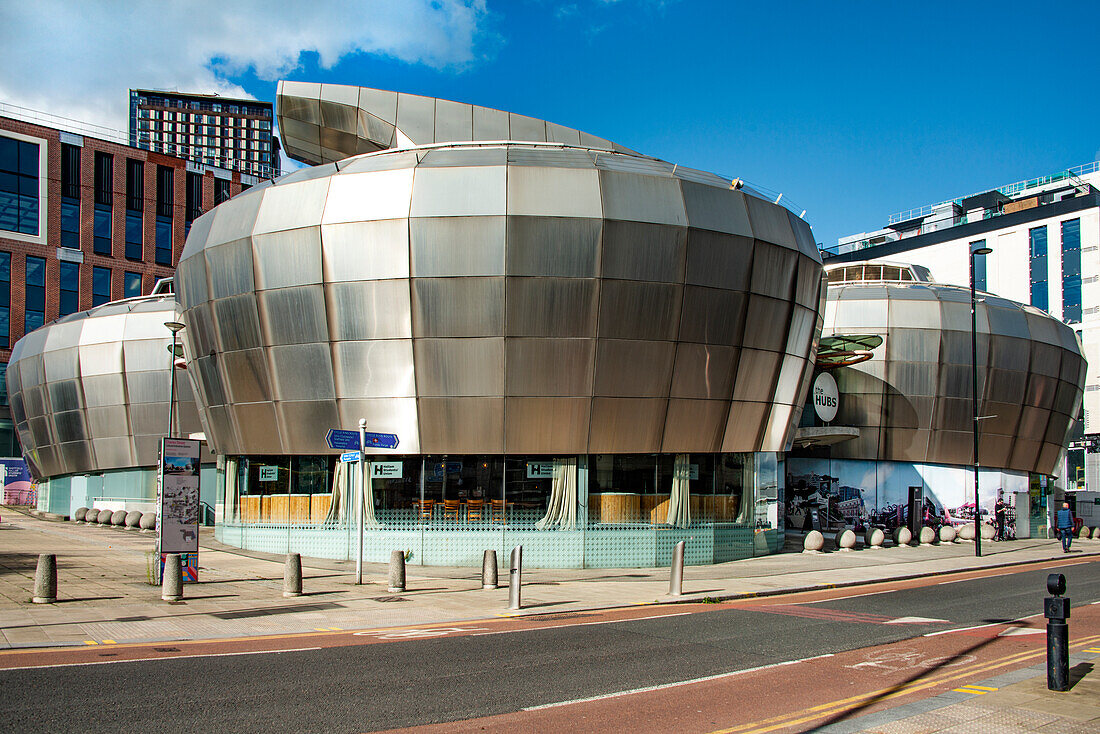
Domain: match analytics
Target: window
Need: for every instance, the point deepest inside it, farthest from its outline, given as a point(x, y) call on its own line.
point(1037, 238)
point(1071, 270)
point(5, 299)
point(70, 196)
point(35, 299)
point(19, 186)
point(132, 285)
point(165, 192)
point(221, 191)
point(135, 205)
point(980, 281)
point(69, 287)
point(101, 285)
point(103, 196)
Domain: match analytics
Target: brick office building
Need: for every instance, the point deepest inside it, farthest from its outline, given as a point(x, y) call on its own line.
point(83, 221)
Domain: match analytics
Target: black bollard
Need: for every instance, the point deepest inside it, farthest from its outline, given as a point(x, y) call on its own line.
point(1056, 610)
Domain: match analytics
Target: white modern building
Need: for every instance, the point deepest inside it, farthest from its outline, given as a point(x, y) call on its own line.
point(1045, 234)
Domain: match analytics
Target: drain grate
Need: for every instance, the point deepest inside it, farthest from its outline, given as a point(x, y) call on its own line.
point(166, 649)
point(389, 598)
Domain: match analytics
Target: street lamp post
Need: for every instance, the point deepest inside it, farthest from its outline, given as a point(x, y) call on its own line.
point(175, 327)
point(974, 395)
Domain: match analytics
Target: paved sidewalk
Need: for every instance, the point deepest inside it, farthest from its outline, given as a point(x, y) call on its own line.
point(1017, 701)
point(104, 595)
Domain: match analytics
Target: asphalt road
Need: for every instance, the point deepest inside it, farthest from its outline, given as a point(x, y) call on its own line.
point(481, 671)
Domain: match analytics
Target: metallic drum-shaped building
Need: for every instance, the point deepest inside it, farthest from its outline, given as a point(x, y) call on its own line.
point(912, 401)
point(591, 352)
point(89, 395)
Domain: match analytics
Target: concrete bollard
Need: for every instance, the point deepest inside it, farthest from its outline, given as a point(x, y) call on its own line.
point(515, 578)
point(171, 586)
point(132, 520)
point(397, 571)
point(103, 517)
point(118, 518)
point(489, 569)
point(292, 575)
point(45, 579)
point(148, 521)
point(676, 573)
point(966, 532)
point(927, 535)
point(988, 531)
point(845, 540)
point(1096, 533)
point(874, 537)
point(948, 534)
point(813, 542)
point(78, 514)
point(1084, 532)
point(903, 537)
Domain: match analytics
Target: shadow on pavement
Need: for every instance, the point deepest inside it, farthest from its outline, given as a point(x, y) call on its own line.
point(1077, 672)
point(887, 693)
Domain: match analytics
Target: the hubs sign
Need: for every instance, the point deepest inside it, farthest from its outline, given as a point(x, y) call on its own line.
point(826, 397)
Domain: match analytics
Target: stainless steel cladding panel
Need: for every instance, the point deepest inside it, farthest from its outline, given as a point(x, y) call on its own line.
point(915, 394)
point(505, 297)
point(84, 389)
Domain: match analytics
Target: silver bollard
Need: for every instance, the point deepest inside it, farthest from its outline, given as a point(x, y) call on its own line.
point(489, 569)
point(676, 576)
point(292, 575)
point(171, 586)
point(397, 571)
point(515, 578)
point(45, 579)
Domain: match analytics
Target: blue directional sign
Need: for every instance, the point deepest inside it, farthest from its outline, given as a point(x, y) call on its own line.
point(381, 440)
point(343, 440)
point(349, 457)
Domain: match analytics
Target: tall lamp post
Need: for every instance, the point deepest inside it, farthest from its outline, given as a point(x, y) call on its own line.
point(175, 327)
point(974, 395)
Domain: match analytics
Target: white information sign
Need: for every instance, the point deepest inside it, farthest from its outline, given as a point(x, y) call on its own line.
point(178, 504)
point(826, 397)
point(541, 469)
point(269, 473)
point(387, 470)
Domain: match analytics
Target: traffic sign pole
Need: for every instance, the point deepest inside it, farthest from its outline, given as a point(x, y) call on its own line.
point(362, 497)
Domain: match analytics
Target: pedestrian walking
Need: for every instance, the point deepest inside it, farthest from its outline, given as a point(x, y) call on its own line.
point(1065, 526)
point(999, 514)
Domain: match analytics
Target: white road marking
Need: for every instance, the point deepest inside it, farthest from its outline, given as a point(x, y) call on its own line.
point(1016, 631)
point(976, 578)
point(161, 657)
point(980, 626)
point(914, 620)
point(579, 624)
point(663, 686)
point(850, 596)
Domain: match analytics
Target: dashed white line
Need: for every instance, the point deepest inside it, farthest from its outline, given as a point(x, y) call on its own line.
point(663, 686)
point(980, 626)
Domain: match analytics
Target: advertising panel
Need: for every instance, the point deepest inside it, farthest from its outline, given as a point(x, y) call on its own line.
point(178, 496)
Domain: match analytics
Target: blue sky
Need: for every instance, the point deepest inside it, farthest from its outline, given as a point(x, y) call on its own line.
point(854, 110)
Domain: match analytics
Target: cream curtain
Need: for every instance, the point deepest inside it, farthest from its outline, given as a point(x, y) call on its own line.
point(369, 520)
point(679, 501)
point(336, 512)
point(231, 511)
point(562, 510)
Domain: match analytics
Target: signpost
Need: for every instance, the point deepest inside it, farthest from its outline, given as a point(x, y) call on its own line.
point(354, 445)
point(178, 504)
point(343, 440)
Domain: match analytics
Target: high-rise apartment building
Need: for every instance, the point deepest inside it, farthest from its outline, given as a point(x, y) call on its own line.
point(234, 134)
point(85, 220)
point(1044, 234)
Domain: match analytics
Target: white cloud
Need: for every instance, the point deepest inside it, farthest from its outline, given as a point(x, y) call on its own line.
point(78, 58)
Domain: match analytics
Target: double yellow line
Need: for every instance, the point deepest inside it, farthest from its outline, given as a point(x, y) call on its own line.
point(885, 694)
